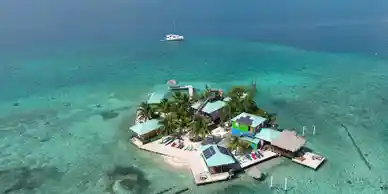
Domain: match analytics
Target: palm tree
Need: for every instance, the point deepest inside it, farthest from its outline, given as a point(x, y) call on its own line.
point(242, 100)
point(182, 99)
point(164, 106)
point(248, 104)
point(199, 128)
point(185, 101)
point(237, 144)
point(205, 94)
point(225, 115)
point(177, 96)
point(168, 125)
point(237, 91)
point(235, 106)
point(146, 111)
point(196, 97)
point(271, 119)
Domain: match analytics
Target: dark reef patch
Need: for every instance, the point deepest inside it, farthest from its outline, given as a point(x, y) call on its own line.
point(129, 178)
point(106, 115)
point(26, 179)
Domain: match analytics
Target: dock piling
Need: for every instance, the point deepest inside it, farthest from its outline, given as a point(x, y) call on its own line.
point(313, 129)
point(271, 183)
point(285, 184)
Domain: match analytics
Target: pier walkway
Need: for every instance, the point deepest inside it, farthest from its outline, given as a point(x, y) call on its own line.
point(188, 87)
point(265, 155)
point(310, 160)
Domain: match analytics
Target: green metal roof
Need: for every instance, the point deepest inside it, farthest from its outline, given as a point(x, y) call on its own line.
point(210, 107)
point(268, 134)
point(156, 97)
point(221, 155)
point(146, 127)
point(250, 139)
point(256, 120)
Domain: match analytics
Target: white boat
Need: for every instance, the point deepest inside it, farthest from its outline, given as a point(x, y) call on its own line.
point(174, 37)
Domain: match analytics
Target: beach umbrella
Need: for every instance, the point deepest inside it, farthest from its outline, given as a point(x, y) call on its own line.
point(171, 82)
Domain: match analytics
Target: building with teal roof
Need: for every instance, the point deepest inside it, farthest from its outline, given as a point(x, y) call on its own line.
point(146, 130)
point(157, 97)
point(264, 135)
point(268, 134)
point(211, 109)
point(246, 124)
point(217, 158)
point(250, 128)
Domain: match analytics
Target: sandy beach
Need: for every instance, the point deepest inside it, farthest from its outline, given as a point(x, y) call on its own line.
point(176, 163)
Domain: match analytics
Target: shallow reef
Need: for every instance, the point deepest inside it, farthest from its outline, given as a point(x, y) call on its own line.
point(106, 115)
point(26, 179)
point(126, 179)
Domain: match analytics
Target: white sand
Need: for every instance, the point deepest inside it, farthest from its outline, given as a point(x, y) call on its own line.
point(176, 163)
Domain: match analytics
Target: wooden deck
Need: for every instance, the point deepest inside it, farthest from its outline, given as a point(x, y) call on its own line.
point(310, 160)
point(201, 173)
point(245, 162)
point(191, 91)
point(198, 166)
point(136, 141)
point(210, 178)
point(188, 87)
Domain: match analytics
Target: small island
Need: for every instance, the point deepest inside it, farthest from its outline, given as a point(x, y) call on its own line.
point(217, 133)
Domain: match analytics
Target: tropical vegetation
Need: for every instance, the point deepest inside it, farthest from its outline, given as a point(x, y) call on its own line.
point(176, 118)
point(147, 112)
point(199, 128)
point(238, 145)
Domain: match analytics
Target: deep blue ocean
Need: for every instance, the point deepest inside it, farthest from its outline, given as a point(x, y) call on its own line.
point(320, 62)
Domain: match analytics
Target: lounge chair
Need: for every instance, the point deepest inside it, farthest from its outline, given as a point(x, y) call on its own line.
point(164, 140)
point(256, 154)
point(259, 154)
point(253, 156)
point(169, 141)
point(317, 157)
point(202, 177)
point(301, 158)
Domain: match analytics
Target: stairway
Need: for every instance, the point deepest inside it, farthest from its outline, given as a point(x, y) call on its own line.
point(203, 104)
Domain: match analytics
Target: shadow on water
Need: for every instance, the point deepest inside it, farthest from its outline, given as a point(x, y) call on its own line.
point(26, 179)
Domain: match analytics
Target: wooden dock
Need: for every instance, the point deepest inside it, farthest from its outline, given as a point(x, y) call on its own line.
point(198, 166)
point(201, 173)
point(245, 162)
point(255, 173)
point(310, 160)
point(137, 142)
point(188, 87)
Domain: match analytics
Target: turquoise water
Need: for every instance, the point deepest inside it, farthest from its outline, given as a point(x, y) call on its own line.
point(62, 128)
point(54, 139)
